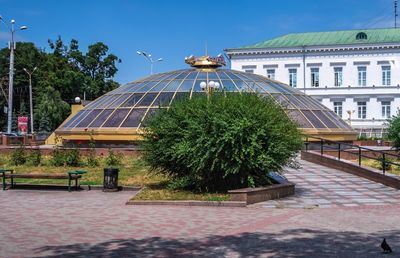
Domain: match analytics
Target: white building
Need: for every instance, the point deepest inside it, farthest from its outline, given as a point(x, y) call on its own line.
point(356, 73)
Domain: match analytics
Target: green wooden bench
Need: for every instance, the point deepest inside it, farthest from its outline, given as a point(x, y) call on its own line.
point(70, 175)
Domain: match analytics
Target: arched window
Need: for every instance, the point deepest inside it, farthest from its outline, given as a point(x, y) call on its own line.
point(361, 36)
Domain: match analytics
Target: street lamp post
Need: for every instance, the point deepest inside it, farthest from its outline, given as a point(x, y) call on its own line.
point(12, 46)
point(350, 112)
point(209, 87)
point(150, 59)
point(30, 95)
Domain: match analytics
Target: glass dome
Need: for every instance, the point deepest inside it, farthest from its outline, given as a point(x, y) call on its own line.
point(120, 113)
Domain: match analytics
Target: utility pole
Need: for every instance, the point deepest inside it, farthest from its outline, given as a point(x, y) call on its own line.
point(30, 95)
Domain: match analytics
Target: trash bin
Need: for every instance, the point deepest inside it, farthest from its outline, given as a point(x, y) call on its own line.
point(110, 183)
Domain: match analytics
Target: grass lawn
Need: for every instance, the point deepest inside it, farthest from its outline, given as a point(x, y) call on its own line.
point(393, 169)
point(160, 193)
point(133, 172)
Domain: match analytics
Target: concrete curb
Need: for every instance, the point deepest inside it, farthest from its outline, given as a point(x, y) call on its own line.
point(189, 203)
point(262, 194)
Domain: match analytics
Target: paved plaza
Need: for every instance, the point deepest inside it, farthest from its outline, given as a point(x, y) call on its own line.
point(95, 224)
point(319, 186)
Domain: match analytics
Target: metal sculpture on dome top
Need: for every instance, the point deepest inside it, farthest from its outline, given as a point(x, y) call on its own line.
point(118, 115)
point(205, 61)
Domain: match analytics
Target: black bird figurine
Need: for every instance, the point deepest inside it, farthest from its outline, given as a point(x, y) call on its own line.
point(385, 246)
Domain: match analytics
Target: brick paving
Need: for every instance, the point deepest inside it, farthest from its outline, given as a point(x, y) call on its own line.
point(96, 224)
point(323, 187)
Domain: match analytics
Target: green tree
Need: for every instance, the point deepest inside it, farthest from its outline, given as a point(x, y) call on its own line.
point(393, 131)
point(63, 73)
point(100, 67)
point(221, 142)
point(51, 109)
point(26, 56)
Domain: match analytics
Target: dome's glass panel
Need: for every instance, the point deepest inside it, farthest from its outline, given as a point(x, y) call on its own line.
point(134, 118)
point(212, 76)
point(228, 85)
point(298, 117)
point(101, 118)
point(147, 100)
point(313, 119)
point(89, 118)
point(283, 101)
point(187, 85)
point(336, 119)
point(148, 86)
point(133, 100)
point(181, 76)
point(173, 85)
point(79, 118)
point(127, 106)
point(324, 118)
point(202, 76)
point(116, 118)
point(163, 99)
point(192, 75)
point(69, 122)
point(119, 101)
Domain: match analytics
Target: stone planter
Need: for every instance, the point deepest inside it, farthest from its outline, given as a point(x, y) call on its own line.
point(261, 194)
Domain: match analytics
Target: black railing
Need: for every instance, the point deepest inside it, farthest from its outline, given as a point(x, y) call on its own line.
point(384, 157)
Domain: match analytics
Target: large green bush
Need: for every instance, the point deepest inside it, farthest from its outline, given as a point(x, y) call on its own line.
point(393, 131)
point(226, 141)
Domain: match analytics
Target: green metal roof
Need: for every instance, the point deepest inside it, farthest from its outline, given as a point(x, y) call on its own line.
point(345, 37)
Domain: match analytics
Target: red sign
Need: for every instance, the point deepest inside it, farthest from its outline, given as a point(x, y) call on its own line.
point(23, 124)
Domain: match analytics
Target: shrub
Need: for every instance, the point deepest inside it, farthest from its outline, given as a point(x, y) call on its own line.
point(18, 156)
point(73, 157)
point(362, 137)
point(221, 142)
point(380, 165)
point(3, 160)
point(112, 160)
point(58, 157)
point(91, 159)
point(35, 157)
point(393, 131)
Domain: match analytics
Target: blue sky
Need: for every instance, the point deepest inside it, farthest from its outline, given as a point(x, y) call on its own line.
point(174, 29)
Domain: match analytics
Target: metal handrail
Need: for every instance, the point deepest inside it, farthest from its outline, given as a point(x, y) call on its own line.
point(382, 155)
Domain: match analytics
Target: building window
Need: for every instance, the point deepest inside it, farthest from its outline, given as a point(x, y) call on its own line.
point(315, 77)
point(293, 77)
point(338, 108)
point(361, 36)
point(386, 109)
point(362, 76)
point(386, 75)
point(362, 109)
point(271, 73)
point(338, 76)
point(249, 71)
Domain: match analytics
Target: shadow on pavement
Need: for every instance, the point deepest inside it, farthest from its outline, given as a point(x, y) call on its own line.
point(288, 243)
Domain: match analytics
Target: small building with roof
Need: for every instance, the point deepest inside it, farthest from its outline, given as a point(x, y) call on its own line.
point(117, 117)
point(355, 73)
